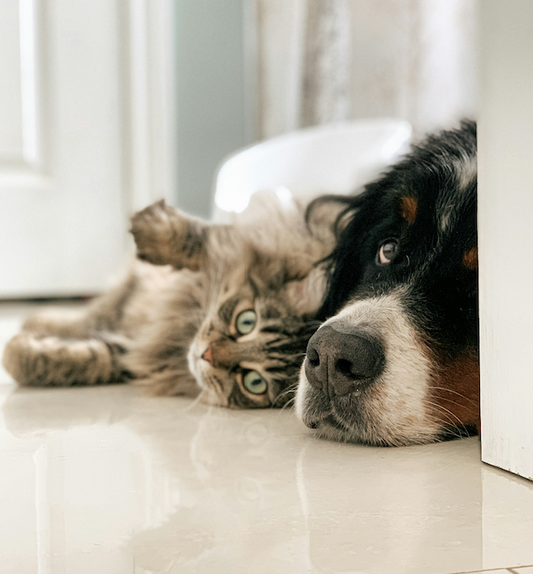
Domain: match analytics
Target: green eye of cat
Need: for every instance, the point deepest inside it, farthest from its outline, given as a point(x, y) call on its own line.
point(254, 383)
point(245, 322)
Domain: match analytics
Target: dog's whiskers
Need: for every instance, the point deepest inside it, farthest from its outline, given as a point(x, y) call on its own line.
point(450, 417)
point(451, 391)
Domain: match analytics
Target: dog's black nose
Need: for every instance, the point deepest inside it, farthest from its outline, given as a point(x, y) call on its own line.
point(342, 363)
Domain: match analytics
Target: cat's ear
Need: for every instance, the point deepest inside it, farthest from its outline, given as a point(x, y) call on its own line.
point(306, 295)
point(166, 236)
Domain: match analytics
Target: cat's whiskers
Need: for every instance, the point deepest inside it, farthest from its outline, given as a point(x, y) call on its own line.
point(282, 394)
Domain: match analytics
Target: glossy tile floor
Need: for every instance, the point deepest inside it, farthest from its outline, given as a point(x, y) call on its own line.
point(108, 481)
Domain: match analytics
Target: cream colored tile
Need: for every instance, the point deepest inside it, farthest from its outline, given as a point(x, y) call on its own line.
point(507, 518)
point(525, 570)
point(492, 571)
point(107, 472)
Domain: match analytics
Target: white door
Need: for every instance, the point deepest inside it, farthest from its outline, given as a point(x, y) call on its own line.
point(505, 222)
point(85, 137)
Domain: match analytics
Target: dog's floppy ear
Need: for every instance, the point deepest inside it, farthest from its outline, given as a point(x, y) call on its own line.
point(343, 264)
point(166, 236)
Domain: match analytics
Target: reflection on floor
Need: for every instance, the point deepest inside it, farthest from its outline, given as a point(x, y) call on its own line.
point(107, 480)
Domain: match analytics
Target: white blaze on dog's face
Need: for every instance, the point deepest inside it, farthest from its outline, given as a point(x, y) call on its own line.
point(396, 363)
point(395, 400)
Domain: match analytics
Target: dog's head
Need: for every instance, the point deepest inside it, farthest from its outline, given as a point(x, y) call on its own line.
point(397, 361)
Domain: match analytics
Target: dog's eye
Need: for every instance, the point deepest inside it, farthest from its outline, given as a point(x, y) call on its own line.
point(387, 252)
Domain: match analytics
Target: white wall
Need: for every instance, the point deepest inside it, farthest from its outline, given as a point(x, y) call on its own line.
point(505, 229)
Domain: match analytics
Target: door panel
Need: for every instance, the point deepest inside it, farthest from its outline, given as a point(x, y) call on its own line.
point(66, 142)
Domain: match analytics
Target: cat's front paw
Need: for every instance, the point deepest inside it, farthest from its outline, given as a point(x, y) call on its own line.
point(33, 360)
point(165, 236)
point(154, 231)
point(27, 359)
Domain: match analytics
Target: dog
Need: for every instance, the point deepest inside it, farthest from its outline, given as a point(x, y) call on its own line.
point(396, 360)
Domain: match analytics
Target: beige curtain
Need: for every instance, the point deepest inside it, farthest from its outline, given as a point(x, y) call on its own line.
point(327, 60)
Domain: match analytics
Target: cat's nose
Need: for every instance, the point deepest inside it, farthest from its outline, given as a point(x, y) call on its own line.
point(208, 355)
point(341, 363)
point(223, 355)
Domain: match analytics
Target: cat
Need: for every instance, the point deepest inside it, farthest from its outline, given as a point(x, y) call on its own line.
point(225, 310)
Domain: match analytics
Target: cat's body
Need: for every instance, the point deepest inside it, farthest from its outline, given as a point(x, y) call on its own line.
point(226, 309)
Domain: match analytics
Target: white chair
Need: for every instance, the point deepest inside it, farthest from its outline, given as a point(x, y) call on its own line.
point(333, 158)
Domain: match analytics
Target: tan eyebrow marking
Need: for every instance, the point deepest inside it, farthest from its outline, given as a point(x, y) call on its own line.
point(470, 258)
point(409, 206)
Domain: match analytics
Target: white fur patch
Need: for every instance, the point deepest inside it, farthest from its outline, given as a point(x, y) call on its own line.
point(396, 403)
point(445, 217)
point(465, 170)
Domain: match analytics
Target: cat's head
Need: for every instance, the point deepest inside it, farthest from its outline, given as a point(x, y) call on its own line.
point(250, 347)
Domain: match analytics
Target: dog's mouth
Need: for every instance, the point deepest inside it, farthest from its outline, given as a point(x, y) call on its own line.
point(343, 414)
point(328, 421)
point(333, 421)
